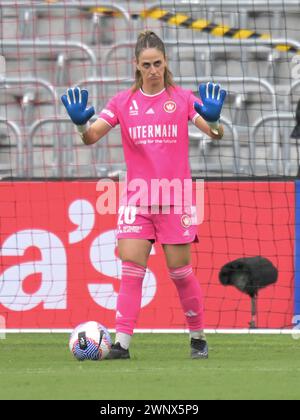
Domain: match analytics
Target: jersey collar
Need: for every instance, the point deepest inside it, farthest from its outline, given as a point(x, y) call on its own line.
point(152, 96)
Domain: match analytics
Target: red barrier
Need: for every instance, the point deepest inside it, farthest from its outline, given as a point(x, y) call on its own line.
point(60, 265)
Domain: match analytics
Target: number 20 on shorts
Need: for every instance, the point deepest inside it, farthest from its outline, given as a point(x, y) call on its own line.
point(127, 215)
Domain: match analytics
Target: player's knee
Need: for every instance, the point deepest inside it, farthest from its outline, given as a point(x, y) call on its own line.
point(134, 257)
point(135, 261)
point(178, 263)
point(135, 252)
point(177, 266)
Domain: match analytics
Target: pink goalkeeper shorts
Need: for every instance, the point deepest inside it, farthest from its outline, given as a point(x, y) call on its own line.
point(166, 229)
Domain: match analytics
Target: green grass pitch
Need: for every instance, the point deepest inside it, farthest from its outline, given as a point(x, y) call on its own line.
point(40, 366)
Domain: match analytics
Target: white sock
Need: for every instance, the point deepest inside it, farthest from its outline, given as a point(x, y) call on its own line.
point(198, 335)
point(123, 339)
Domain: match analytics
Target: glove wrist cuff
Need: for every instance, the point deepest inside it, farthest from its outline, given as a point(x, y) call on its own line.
point(83, 128)
point(214, 125)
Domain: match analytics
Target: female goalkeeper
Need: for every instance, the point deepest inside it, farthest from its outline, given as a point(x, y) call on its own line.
point(153, 116)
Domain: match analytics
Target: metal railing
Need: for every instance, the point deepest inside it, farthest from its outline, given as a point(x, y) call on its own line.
point(20, 170)
point(59, 160)
point(286, 156)
point(238, 12)
point(51, 45)
point(235, 168)
point(234, 5)
point(258, 5)
point(25, 166)
point(63, 148)
point(31, 81)
point(227, 44)
point(69, 5)
point(202, 43)
point(291, 91)
point(29, 10)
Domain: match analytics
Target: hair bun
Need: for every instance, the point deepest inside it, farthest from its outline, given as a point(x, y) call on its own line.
point(145, 34)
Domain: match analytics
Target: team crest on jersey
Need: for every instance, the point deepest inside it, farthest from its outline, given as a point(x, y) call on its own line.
point(170, 107)
point(186, 221)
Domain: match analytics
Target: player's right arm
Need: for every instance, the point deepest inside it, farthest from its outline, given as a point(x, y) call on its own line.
point(75, 102)
point(95, 132)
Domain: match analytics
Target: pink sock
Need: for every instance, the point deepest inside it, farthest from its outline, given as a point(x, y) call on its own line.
point(130, 297)
point(190, 296)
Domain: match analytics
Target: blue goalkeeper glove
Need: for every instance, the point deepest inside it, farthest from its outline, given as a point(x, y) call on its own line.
point(212, 97)
point(75, 103)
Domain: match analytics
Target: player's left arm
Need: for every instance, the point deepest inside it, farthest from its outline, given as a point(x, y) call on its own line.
point(212, 97)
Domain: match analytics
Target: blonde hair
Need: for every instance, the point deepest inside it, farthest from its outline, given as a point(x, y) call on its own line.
point(149, 39)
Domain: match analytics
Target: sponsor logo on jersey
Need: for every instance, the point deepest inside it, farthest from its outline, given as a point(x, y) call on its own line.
point(170, 107)
point(157, 131)
point(134, 109)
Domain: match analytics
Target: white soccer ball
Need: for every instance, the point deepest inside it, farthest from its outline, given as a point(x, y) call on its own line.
point(90, 341)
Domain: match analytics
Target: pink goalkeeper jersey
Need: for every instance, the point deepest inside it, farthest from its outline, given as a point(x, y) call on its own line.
point(156, 144)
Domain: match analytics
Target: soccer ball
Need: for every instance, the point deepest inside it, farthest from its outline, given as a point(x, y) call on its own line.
point(90, 341)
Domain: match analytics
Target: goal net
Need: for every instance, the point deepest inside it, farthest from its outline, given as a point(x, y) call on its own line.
point(59, 256)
